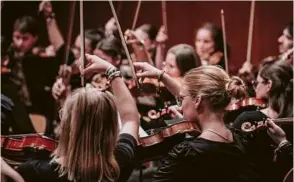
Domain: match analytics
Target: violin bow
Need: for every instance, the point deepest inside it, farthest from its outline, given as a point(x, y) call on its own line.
point(69, 35)
point(82, 35)
point(136, 15)
point(250, 33)
point(224, 40)
point(70, 28)
point(164, 14)
point(124, 44)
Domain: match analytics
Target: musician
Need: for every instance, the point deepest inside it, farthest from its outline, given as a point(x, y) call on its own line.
point(92, 38)
point(90, 146)
point(14, 115)
point(286, 39)
point(274, 82)
point(204, 94)
point(285, 44)
point(108, 48)
point(147, 33)
point(25, 36)
point(143, 42)
point(209, 45)
point(179, 60)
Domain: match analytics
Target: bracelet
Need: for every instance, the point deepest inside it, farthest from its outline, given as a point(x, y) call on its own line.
point(110, 71)
point(281, 145)
point(160, 75)
point(284, 142)
point(113, 76)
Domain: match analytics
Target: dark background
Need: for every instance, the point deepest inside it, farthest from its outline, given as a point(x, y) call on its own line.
point(183, 18)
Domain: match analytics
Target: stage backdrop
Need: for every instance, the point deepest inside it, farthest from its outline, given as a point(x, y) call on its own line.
point(183, 18)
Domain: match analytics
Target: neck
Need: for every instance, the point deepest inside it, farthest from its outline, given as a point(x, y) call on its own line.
point(211, 120)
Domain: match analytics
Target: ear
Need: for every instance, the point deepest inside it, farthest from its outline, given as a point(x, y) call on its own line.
point(269, 85)
point(197, 102)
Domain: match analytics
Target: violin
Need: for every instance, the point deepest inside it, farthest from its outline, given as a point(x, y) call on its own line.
point(257, 125)
point(18, 148)
point(248, 102)
point(162, 140)
point(148, 86)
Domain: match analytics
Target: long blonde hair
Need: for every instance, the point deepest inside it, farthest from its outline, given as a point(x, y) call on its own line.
point(88, 136)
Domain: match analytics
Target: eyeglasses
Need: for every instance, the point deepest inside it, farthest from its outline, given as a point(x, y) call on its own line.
point(255, 83)
point(179, 100)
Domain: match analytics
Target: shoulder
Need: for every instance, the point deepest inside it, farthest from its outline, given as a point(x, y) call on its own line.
point(177, 159)
point(189, 148)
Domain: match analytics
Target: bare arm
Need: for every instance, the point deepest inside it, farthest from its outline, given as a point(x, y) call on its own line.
point(161, 38)
point(126, 107)
point(149, 71)
point(6, 170)
point(54, 33)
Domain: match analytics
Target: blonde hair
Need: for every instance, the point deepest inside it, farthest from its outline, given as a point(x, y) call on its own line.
point(88, 136)
point(214, 85)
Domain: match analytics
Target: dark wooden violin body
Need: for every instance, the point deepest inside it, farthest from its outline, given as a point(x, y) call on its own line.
point(248, 104)
point(16, 149)
point(159, 143)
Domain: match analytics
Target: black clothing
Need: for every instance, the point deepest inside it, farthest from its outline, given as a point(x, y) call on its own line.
point(284, 159)
point(260, 147)
point(204, 160)
point(14, 116)
point(60, 54)
point(43, 170)
point(33, 76)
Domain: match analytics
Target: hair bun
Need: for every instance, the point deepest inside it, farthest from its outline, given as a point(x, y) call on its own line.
point(236, 88)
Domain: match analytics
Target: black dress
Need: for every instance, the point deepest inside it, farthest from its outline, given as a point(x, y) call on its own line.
point(43, 170)
point(204, 160)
